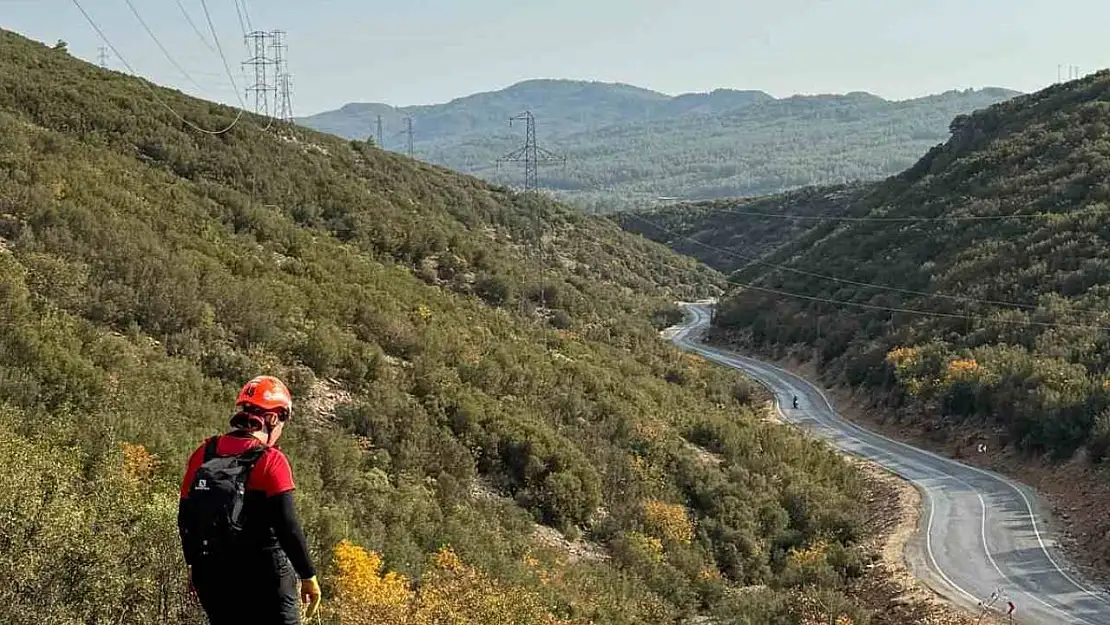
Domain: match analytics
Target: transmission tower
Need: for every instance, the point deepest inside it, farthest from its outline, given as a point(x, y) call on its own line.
point(262, 88)
point(380, 144)
point(102, 51)
point(283, 79)
point(408, 131)
point(531, 154)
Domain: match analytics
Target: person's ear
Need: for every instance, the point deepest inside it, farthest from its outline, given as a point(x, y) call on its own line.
point(272, 420)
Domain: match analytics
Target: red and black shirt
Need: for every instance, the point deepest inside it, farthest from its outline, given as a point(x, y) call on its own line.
point(269, 517)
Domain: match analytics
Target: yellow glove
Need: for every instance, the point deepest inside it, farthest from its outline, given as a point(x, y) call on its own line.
point(310, 594)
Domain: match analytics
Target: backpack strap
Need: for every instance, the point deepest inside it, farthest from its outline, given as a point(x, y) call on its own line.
point(210, 448)
point(254, 454)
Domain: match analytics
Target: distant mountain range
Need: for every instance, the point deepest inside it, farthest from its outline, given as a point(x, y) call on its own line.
point(628, 145)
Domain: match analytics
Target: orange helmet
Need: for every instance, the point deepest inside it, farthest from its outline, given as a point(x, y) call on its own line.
point(267, 393)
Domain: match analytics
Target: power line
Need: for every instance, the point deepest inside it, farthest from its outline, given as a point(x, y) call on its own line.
point(913, 311)
point(531, 153)
point(145, 83)
point(193, 25)
point(243, 28)
point(165, 52)
point(220, 50)
point(954, 218)
point(960, 298)
point(246, 14)
point(917, 312)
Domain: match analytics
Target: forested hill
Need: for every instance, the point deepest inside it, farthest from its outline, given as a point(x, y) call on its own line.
point(730, 234)
point(627, 146)
point(1000, 238)
point(466, 363)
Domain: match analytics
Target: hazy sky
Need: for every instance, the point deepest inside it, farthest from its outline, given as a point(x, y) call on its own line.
point(427, 51)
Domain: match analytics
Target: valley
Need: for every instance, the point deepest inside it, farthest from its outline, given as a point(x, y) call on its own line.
point(958, 306)
point(820, 358)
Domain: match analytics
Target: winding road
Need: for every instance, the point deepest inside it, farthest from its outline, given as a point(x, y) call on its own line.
point(981, 533)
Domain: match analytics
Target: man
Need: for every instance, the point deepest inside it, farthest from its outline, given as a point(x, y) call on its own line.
point(243, 544)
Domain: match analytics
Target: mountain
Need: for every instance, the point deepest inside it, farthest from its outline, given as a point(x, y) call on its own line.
point(487, 424)
point(968, 293)
point(731, 234)
point(627, 146)
point(564, 106)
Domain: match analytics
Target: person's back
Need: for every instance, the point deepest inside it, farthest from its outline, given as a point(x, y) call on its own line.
point(245, 557)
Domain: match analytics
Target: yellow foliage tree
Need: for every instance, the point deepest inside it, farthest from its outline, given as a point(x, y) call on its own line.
point(453, 593)
point(961, 369)
point(423, 312)
point(138, 463)
point(900, 356)
point(905, 361)
point(668, 521)
point(812, 554)
point(364, 595)
point(450, 593)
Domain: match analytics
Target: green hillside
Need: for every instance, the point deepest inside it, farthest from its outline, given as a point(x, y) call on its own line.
point(466, 363)
point(998, 238)
point(627, 146)
point(730, 234)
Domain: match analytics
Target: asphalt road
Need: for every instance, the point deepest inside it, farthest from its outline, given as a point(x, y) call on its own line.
point(980, 532)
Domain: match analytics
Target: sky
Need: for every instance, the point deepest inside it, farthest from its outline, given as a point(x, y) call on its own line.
point(404, 52)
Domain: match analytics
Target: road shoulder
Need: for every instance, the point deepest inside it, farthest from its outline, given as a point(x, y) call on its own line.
point(890, 588)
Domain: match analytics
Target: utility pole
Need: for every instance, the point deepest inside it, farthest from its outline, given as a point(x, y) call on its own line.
point(380, 144)
point(283, 83)
point(256, 42)
point(531, 153)
point(102, 51)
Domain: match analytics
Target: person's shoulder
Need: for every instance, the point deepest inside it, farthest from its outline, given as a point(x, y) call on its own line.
point(275, 452)
point(273, 475)
point(274, 457)
point(198, 451)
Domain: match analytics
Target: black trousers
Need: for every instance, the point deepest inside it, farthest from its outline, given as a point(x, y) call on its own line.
point(260, 589)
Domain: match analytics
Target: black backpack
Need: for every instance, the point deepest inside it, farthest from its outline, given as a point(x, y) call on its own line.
point(213, 508)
